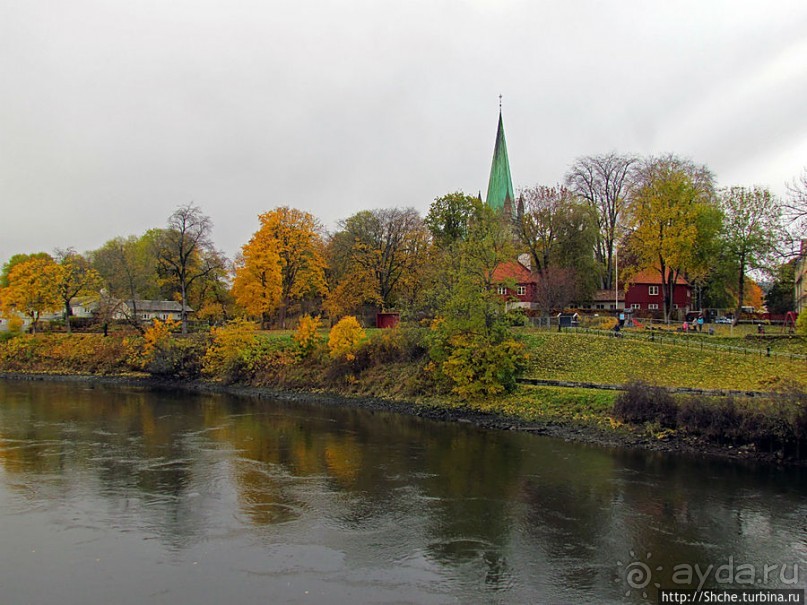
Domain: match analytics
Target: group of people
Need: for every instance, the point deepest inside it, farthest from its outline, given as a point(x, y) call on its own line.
point(696, 325)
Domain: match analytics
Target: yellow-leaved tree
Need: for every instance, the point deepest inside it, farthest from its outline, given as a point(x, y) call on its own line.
point(256, 287)
point(282, 265)
point(674, 217)
point(32, 289)
point(377, 257)
point(75, 277)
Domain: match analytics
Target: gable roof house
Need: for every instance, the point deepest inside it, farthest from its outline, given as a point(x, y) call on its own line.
point(149, 310)
point(516, 284)
point(605, 300)
point(644, 293)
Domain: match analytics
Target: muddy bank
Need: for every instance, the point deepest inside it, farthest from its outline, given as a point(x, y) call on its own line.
point(581, 433)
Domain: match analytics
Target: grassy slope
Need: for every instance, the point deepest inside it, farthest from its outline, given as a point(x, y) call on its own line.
point(577, 357)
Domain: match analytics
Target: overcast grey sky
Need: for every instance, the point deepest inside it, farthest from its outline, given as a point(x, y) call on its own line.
point(112, 113)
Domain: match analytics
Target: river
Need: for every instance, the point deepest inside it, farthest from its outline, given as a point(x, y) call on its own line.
point(122, 495)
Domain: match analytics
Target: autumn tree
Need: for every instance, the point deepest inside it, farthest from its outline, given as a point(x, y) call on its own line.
point(185, 252)
point(449, 218)
point(469, 343)
point(256, 286)
point(32, 289)
point(128, 268)
point(781, 298)
point(469, 303)
point(605, 182)
point(449, 221)
point(670, 208)
point(375, 258)
point(75, 277)
point(18, 259)
point(282, 264)
point(212, 295)
point(795, 206)
point(558, 231)
point(555, 289)
point(752, 231)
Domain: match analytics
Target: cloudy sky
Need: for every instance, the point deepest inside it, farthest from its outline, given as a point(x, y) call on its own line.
point(113, 112)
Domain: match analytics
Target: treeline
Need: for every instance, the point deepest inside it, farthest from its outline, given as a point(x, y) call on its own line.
point(659, 213)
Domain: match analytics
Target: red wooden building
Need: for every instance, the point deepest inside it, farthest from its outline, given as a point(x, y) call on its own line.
point(516, 284)
point(645, 293)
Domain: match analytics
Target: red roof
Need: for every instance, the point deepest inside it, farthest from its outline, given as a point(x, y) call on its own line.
point(653, 276)
point(512, 270)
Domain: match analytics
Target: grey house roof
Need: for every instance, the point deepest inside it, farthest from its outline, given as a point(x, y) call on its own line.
point(157, 306)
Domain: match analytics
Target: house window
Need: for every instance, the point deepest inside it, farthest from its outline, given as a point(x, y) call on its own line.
point(501, 290)
point(522, 290)
point(599, 306)
point(653, 307)
point(652, 290)
point(636, 306)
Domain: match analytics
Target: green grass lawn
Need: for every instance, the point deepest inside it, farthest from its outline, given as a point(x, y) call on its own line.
point(585, 358)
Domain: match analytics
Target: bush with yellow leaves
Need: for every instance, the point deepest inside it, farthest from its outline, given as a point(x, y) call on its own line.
point(344, 339)
point(306, 335)
point(230, 351)
point(169, 356)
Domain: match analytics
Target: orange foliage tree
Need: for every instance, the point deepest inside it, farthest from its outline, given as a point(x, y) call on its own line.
point(32, 289)
point(282, 264)
point(376, 258)
point(75, 277)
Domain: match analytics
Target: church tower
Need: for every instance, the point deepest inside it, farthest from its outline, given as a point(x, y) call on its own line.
point(500, 185)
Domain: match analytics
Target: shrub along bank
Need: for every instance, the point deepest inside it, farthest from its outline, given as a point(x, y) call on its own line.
point(776, 424)
point(430, 368)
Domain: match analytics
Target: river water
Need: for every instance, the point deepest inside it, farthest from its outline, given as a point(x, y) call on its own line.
point(129, 496)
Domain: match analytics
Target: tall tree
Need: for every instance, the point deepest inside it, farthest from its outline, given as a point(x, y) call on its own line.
point(752, 231)
point(32, 289)
point(291, 239)
point(128, 267)
point(557, 230)
point(449, 218)
point(669, 213)
point(16, 260)
point(605, 182)
point(470, 305)
point(212, 294)
point(374, 254)
point(780, 298)
point(75, 277)
point(256, 286)
point(796, 205)
point(185, 252)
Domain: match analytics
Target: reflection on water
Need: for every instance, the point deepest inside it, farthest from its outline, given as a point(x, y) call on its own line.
point(129, 496)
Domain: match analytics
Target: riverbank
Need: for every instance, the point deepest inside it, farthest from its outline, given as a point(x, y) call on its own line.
point(583, 430)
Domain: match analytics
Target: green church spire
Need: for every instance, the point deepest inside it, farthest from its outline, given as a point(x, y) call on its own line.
point(500, 185)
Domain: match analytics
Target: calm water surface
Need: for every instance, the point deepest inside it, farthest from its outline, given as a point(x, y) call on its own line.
point(121, 495)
